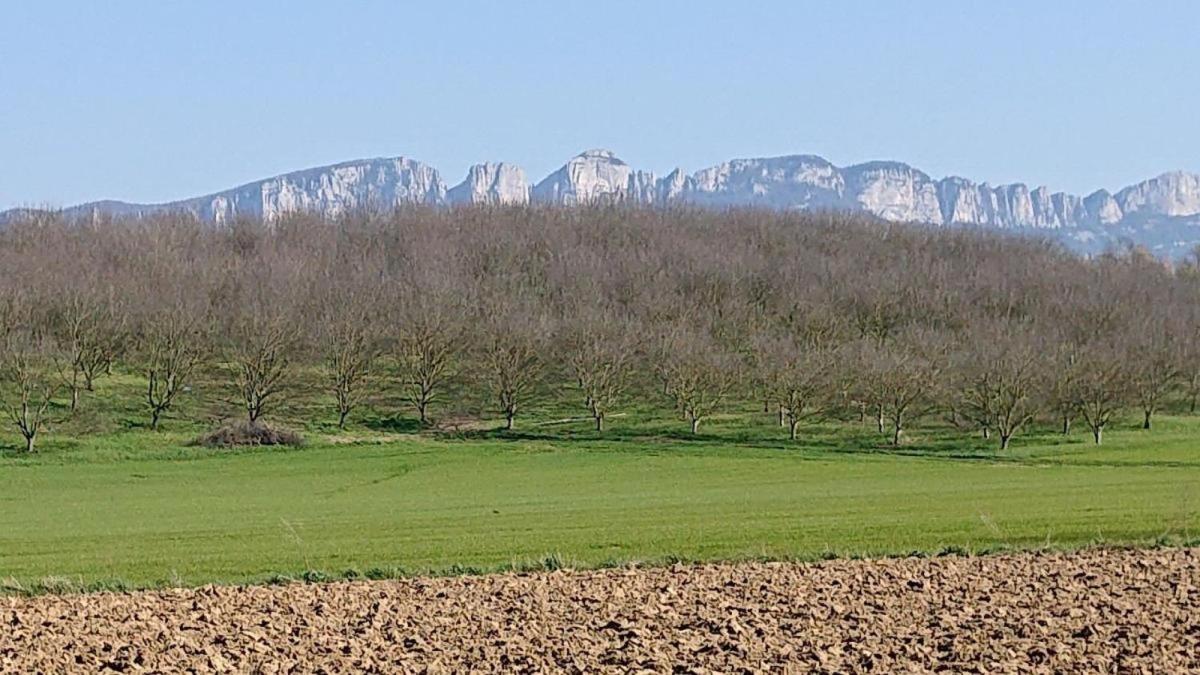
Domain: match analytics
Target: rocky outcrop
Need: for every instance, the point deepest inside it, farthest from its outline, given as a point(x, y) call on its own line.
point(594, 176)
point(674, 186)
point(1171, 194)
point(1100, 208)
point(793, 182)
point(376, 184)
point(491, 184)
point(894, 191)
point(328, 191)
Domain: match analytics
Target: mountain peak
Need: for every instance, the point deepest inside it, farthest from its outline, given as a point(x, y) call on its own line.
point(491, 183)
point(1176, 193)
point(597, 153)
point(884, 165)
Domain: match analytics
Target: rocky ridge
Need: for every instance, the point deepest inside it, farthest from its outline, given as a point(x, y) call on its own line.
point(1162, 213)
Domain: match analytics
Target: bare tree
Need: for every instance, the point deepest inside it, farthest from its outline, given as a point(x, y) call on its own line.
point(510, 358)
point(902, 375)
point(1192, 385)
point(600, 352)
point(350, 347)
point(424, 351)
point(28, 382)
point(92, 328)
point(700, 376)
point(171, 344)
point(1102, 385)
point(801, 381)
point(1154, 369)
point(1189, 359)
point(262, 353)
point(1060, 389)
point(999, 373)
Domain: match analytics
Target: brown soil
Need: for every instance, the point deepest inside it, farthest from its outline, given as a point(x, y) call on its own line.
point(1095, 611)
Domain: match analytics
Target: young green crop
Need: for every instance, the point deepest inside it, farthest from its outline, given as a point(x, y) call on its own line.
point(106, 499)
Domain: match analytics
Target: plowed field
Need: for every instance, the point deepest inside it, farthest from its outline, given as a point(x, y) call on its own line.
point(1092, 611)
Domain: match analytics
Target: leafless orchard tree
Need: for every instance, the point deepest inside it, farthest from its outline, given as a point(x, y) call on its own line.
point(1191, 378)
point(699, 376)
point(509, 353)
point(901, 376)
point(262, 356)
point(1061, 396)
point(601, 351)
point(1102, 385)
point(1189, 351)
point(425, 348)
point(1000, 379)
point(29, 381)
point(801, 379)
point(350, 345)
point(172, 344)
point(865, 379)
point(92, 329)
point(1154, 369)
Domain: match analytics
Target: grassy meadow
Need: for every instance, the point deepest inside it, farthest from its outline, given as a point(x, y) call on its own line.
point(105, 502)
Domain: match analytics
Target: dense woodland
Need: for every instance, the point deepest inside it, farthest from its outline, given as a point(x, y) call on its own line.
point(811, 316)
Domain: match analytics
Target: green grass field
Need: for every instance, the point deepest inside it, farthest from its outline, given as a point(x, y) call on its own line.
point(106, 500)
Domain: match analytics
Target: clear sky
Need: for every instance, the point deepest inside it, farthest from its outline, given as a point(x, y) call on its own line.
point(158, 100)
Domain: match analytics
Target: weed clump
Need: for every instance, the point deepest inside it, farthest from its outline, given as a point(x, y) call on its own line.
point(248, 434)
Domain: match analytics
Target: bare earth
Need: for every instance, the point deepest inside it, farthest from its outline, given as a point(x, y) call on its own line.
point(1094, 611)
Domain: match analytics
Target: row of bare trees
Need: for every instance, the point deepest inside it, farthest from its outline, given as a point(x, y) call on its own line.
point(817, 316)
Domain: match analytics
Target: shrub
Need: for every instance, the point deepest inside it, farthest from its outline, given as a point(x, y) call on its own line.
point(248, 433)
point(315, 577)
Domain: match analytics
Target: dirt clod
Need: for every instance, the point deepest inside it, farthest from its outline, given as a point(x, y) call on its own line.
point(1093, 611)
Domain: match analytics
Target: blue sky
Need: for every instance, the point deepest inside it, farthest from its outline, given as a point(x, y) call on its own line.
point(151, 101)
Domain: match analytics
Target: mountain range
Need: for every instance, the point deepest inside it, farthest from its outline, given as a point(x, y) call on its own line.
point(1161, 213)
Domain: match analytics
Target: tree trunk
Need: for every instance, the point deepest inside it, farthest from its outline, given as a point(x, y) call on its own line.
point(782, 419)
point(154, 415)
point(879, 418)
point(29, 443)
point(1098, 434)
point(896, 431)
point(74, 397)
point(1146, 419)
point(421, 410)
point(766, 405)
point(792, 429)
point(1066, 425)
point(509, 416)
point(695, 424)
point(342, 414)
point(987, 433)
point(862, 413)
point(1004, 439)
point(599, 422)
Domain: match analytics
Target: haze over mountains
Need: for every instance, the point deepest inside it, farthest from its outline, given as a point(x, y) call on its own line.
point(1161, 213)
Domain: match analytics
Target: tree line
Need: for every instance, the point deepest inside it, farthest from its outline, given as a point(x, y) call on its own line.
point(814, 315)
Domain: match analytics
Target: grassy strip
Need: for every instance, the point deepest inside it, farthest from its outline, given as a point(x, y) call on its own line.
point(550, 563)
